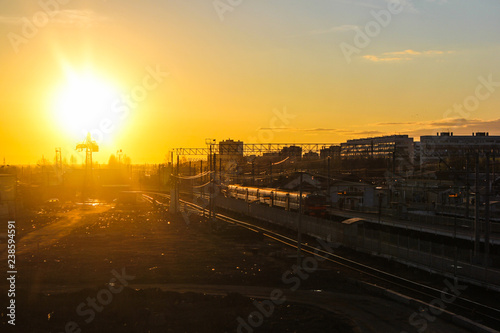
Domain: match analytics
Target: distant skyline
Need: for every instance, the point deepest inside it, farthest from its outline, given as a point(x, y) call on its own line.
point(149, 76)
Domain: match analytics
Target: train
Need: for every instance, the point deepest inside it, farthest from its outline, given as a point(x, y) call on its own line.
point(314, 204)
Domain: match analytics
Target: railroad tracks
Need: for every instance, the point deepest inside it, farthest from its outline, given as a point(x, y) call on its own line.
point(473, 310)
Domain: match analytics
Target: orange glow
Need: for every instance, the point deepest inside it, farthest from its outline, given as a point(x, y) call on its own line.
point(93, 68)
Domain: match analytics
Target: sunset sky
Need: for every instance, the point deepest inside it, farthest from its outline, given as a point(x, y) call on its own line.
point(148, 76)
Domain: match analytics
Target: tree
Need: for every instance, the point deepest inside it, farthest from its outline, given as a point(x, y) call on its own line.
point(126, 160)
point(113, 162)
point(43, 161)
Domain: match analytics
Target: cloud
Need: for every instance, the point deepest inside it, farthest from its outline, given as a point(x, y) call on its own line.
point(416, 53)
point(385, 59)
point(80, 18)
point(318, 130)
point(368, 133)
point(392, 124)
point(66, 17)
point(340, 28)
point(440, 2)
point(409, 5)
point(446, 122)
point(405, 55)
point(412, 128)
point(458, 125)
point(405, 52)
point(290, 129)
point(332, 30)
point(368, 4)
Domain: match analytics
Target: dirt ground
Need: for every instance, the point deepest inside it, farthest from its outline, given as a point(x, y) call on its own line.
point(64, 257)
point(134, 269)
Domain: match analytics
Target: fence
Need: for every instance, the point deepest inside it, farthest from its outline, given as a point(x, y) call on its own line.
point(429, 255)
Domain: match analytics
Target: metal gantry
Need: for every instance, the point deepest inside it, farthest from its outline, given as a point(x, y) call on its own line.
point(253, 148)
point(90, 146)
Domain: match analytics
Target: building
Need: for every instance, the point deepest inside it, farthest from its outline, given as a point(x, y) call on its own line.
point(311, 155)
point(310, 182)
point(398, 148)
point(292, 152)
point(416, 153)
point(352, 195)
point(230, 150)
point(332, 151)
point(435, 148)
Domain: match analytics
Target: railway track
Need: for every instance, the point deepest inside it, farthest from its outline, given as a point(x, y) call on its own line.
point(473, 310)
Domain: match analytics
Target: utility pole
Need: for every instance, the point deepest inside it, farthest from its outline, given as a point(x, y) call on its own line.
point(455, 254)
point(211, 184)
point(174, 207)
point(394, 161)
point(299, 222)
point(253, 172)
point(487, 212)
point(177, 184)
point(215, 168)
point(393, 183)
point(202, 188)
point(270, 173)
point(159, 177)
point(212, 192)
point(191, 182)
point(477, 238)
point(493, 161)
point(379, 208)
point(467, 187)
point(328, 177)
point(211, 163)
point(178, 165)
point(58, 159)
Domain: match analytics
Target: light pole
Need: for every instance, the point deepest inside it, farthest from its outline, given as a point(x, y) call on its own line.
point(299, 222)
point(210, 143)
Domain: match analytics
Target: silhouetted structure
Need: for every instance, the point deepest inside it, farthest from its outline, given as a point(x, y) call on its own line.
point(90, 146)
point(445, 145)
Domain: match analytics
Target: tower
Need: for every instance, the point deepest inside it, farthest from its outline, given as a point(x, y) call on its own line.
point(90, 146)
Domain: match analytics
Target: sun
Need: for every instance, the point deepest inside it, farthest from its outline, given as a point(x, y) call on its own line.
point(84, 103)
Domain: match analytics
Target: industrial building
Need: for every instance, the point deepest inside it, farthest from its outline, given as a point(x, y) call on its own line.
point(434, 148)
point(399, 147)
point(292, 152)
point(331, 151)
point(230, 150)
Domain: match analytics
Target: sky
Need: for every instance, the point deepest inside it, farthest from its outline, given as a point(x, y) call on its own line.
point(152, 75)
